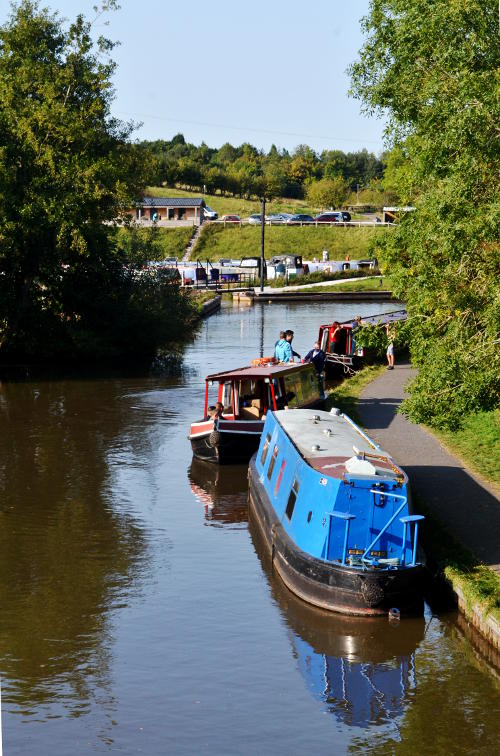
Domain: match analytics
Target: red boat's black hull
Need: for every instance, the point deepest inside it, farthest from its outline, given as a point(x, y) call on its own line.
point(224, 447)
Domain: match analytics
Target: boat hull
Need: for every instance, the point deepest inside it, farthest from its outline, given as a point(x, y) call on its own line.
point(330, 586)
point(225, 446)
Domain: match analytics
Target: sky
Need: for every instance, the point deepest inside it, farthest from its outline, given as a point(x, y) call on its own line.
point(219, 71)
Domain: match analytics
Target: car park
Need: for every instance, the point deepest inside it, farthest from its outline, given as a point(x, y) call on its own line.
point(300, 218)
point(329, 218)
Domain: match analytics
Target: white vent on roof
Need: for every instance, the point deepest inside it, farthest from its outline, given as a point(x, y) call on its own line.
point(358, 466)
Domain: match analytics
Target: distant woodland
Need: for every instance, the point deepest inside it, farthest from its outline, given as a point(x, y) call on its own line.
point(246, 171)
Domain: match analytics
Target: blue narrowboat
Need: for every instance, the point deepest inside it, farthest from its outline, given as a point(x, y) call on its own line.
point(333, 509)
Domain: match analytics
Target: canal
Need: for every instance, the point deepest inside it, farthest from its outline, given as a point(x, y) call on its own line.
point(140, 615)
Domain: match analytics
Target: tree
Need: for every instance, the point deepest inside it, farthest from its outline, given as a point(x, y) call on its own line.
point(328, 192)
point(66, 169)
point(433, 68)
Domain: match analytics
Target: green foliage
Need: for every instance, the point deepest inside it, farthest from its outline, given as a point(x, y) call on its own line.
point(140, 245)
point(217, 242)
point(68, 289)
point(247, 172)
point(327, 192)
point(375, 340)
point(434, 69)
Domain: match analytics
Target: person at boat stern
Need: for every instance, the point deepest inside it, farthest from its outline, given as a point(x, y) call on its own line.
point(283, 351)
point(318, 358)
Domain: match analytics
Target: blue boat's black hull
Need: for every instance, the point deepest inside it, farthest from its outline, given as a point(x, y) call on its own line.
point(327, 585)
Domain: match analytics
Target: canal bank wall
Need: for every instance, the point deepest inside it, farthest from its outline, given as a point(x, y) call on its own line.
point(466, 509)
point(282, 295)
point(211, 306)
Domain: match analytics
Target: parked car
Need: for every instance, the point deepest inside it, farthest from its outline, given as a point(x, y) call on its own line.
point(274, 218)
point(210, 214)
point(329, 218)
point(346, 216)
point(231, 218)
point(300, 218)
point(255, 219)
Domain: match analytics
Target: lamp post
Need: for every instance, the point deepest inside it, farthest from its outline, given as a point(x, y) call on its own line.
point(262, 231)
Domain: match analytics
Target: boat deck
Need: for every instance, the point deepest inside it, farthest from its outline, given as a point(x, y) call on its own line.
point(332, 444)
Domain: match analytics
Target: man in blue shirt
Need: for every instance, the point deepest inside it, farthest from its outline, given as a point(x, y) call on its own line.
point(283, 351)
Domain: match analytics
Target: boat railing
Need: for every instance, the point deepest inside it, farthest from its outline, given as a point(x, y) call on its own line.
point(364, 559)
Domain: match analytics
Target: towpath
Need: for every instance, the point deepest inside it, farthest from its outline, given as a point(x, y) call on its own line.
point(466, 505)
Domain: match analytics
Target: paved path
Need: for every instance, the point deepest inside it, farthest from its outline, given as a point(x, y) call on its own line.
point(468, 507)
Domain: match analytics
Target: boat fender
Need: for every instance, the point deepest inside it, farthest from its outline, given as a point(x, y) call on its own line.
point(214, 438)
point(394, 614)
point(372, 593)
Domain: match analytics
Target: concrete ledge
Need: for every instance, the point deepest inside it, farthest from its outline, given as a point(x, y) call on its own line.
point(211, 306)
point(485, 624)
point(327, 296)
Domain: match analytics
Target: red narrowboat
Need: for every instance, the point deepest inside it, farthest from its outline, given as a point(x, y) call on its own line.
point(246, 394)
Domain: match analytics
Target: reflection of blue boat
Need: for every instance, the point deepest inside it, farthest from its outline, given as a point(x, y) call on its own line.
point(358, 694)
point(333, 509)
point(360, 669)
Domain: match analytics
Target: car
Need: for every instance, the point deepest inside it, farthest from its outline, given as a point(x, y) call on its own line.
point(329, 218)
point(255, 219)
point(346, 216)
point(231, 218)
point(210, 214)
point(300, 218)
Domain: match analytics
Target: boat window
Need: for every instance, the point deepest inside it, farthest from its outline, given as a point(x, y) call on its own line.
point(292, 498)
point(265, 448)
point(279, 478)
point(309, 386)
point(272, 463)
point(290, 391)
point(226, 397)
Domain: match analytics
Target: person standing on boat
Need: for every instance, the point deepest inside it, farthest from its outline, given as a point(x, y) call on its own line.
point(334, 337)
point(355, 325)
point(391, 335)
point(318, 358)
point(283, 351)
point(289, 338)
point(282, 336)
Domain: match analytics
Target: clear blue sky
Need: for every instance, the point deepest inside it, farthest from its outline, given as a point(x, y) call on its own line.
point(221, 71)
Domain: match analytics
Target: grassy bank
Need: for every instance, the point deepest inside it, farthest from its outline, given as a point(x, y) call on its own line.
point(217, 242)
point(235, 205)
point(477, 444)
point(243, 207)
point(365, 285)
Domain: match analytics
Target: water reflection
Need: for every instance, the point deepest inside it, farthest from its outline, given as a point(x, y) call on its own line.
point(222, 490)
point(67, 559)
point(361, 669)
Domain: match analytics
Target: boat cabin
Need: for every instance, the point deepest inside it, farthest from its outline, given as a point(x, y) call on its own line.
point(247, 393)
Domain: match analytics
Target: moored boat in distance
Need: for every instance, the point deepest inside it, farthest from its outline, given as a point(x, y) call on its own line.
point(342, 353)
point(333, 509)
point(246, 395)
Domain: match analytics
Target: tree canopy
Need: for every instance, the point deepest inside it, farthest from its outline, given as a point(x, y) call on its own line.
point(432, 66)
point(67, 169)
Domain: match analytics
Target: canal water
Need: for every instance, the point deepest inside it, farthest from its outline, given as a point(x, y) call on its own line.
point(140, 615)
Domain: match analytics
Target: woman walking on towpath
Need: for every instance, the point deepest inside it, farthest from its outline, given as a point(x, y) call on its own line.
point(391, 335)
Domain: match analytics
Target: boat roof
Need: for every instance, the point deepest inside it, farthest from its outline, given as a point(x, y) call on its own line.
point(328, 441)
point(381, 319)
point(259, 372)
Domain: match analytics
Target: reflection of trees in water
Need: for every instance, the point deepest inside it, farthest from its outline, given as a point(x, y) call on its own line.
point(222, 490)
point(66, 558)
point(360, 669)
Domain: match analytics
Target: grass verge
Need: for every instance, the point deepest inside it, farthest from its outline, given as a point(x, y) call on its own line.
point(217, 242)
point(200, 297)
point(477, 444)
point(366, 285)
point(319, 277)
